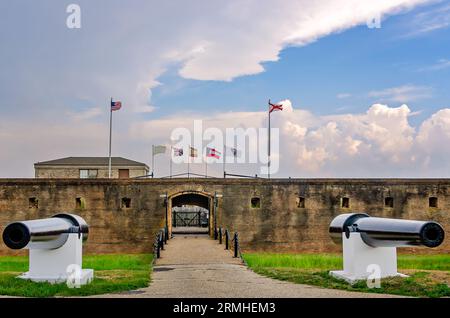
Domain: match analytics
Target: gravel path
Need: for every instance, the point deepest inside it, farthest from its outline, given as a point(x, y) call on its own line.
point(195, 266)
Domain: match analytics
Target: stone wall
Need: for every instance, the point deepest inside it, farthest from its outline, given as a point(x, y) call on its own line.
point(292, 215)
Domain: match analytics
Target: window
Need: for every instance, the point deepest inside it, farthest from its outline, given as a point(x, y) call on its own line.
point(80, 203)
point(255, 203)
point(126, 203)
point(300, 202)
point(124, 173)
point(433, 202)
point(389, 202)
point(345, 202)
point(88, 173)
point(33, 203)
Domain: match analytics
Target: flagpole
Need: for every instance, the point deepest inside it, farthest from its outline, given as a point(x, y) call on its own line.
point(189, 159)
point(110, 137)
point(153, 161)
point(170, 169)
point(224, 154)
point(268, 147)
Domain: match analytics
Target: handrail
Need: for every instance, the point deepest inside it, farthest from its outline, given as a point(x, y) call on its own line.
point(225, 174)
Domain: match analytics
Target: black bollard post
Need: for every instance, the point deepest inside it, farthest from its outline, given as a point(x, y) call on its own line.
point(166, 234)
point(236, 245)
point(161, 240)
point(227, 239)
point(220, 235)
point(158, 248)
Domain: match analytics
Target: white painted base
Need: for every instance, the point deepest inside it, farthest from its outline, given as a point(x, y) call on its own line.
point(54, 265)
point(87, 276)
point(353, 279)
point(358, 256)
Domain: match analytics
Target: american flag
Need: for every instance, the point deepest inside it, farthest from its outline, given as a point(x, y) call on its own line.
point(115, 105)
point(275, 107)
point(211, 152)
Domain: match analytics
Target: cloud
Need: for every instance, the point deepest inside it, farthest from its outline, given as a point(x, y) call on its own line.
point(125, 49)
point(380, 142)
point(122, 53)
point(86, 114)
point(433, 131)
point(439, 65)
point(403, 94)
point(431, 20)
point(343, 95)
point(244, 35)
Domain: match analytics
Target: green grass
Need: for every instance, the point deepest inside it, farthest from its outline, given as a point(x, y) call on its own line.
point(429, 274)
point(332, 261)
point(113, 273)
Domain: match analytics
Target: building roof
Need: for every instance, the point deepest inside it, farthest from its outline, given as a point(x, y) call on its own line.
point(90, 161)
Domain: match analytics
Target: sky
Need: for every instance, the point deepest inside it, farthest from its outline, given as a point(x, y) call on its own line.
point(360, 99)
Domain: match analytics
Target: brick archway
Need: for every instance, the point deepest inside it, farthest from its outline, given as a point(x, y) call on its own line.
point(191, 197)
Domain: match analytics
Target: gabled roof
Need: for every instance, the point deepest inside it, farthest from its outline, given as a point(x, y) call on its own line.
point(90, 161)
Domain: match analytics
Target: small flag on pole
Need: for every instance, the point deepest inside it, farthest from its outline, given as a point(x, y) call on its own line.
point(236, 153)
point(212, 152)
point(115, 105)
point(178, 152)
point(159, 149)
point(193, 152)
point(275, 107)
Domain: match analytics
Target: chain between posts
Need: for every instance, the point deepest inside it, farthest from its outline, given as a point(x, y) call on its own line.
point(234, 241)
point(160, 240)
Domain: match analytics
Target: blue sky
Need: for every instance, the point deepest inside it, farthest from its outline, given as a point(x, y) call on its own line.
point(356, 61)
point(170, 64)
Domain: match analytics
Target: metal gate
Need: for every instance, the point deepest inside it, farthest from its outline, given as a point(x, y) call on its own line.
point(183, 219)
point(188, 219)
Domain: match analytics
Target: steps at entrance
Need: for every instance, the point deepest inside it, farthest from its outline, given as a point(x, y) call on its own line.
point(189, 230)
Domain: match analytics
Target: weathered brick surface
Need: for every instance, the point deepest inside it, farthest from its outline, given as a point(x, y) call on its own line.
point(278, 225)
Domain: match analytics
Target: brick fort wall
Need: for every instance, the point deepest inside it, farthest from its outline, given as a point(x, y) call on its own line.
point(277, 215)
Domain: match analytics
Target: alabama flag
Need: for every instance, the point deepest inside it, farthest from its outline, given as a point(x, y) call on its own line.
point(212, 152)
point(275, 107)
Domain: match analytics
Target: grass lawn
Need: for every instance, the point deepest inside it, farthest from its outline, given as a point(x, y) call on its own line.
point(112, 273)
point(429, 274)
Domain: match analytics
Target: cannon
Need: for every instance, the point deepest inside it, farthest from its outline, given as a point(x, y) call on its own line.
point(55, 247)
point(370, 240)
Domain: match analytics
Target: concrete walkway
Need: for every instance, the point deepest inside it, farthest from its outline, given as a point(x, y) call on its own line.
point(195, 266)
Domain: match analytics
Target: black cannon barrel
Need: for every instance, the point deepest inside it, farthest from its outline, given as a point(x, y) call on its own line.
point(384, 232)
point(50, 233)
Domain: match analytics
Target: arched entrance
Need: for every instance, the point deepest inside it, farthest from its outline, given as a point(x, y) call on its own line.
point(190, 212)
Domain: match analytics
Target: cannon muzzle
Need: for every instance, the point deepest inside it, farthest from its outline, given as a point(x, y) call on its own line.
point(48, 233)
point(384, 232)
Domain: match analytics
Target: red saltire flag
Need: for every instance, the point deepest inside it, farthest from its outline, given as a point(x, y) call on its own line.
point(274, 107)
point(212, 152)
point(115, 105)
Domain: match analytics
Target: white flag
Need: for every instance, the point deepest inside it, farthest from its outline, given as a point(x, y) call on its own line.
point(159, 149)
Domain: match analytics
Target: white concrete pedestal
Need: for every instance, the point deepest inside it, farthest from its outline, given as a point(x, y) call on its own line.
point(358, 256)
point(56, 265)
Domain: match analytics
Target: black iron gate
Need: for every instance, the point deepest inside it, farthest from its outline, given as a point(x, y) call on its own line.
point(188, 219)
